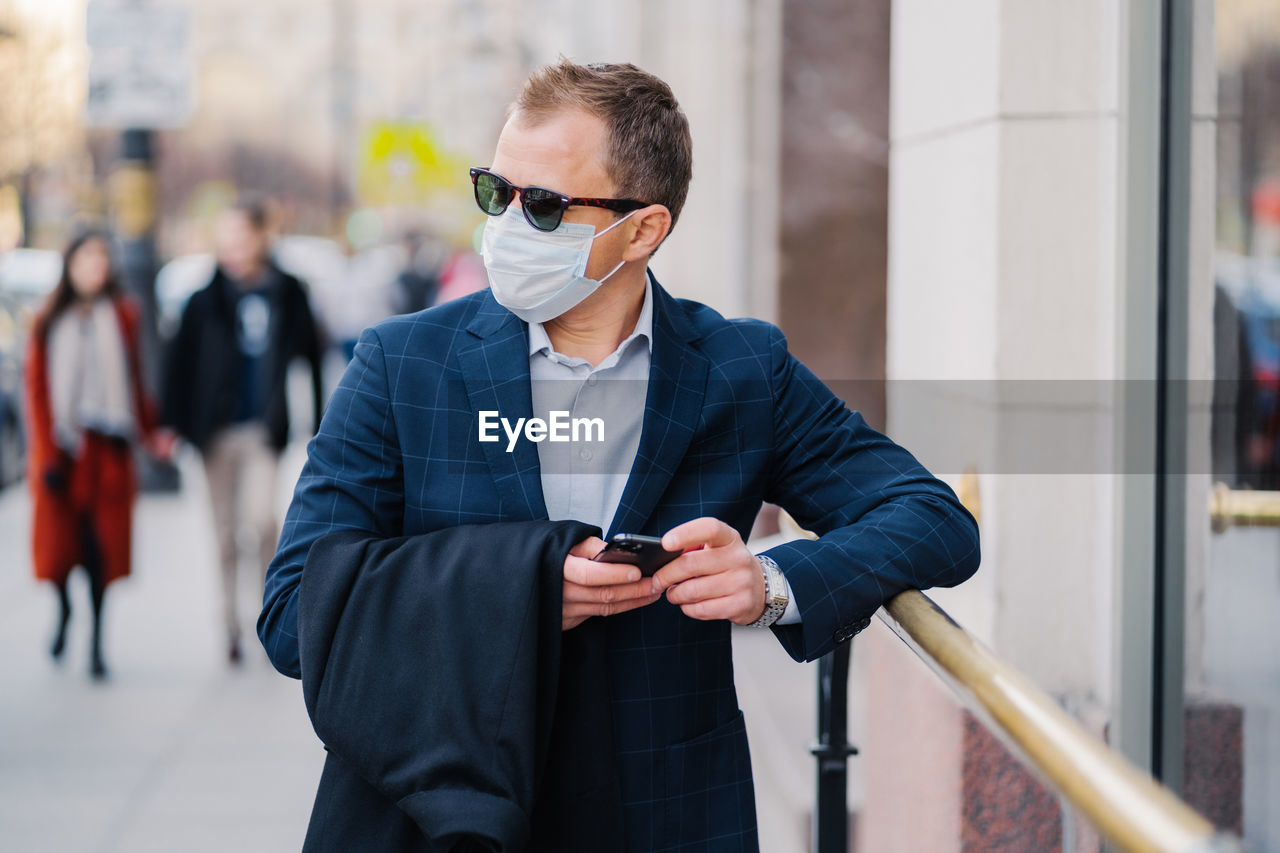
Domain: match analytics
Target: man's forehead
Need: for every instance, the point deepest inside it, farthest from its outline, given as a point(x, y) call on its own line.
point(562, 151)
point(234, 220)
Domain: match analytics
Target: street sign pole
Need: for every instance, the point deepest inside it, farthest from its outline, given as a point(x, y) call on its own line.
point(134, 201)
point(132, 193)
point(140, 79)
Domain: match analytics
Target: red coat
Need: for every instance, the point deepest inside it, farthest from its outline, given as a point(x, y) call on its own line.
point(102, 482)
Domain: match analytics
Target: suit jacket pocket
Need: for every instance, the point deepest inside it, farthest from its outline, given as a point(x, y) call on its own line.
point(709, 791)
point(726, 443)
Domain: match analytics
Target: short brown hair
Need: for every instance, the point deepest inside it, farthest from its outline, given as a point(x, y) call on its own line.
point(254, 210)
point(650, 153)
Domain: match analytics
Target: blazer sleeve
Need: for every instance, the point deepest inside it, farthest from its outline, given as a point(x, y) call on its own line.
point(353, 480)
point(885, 524)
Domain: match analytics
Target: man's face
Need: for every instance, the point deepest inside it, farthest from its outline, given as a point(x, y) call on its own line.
point(89, 268)
point(565, 153)
point(242, 246)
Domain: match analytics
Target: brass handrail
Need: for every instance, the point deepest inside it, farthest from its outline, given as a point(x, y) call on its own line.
point(1126, 804)
point(1242, 508)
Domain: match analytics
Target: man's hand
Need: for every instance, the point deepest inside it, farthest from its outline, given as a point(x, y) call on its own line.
point(161, 444)
point(720, 580)
point(601, 589)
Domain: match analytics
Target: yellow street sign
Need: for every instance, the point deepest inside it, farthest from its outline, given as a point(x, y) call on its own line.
point(400, 163)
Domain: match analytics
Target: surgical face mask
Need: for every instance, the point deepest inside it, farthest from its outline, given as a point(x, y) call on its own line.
point(539, 275)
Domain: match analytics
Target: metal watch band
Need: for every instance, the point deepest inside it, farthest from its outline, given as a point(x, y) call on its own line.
point(775, 593)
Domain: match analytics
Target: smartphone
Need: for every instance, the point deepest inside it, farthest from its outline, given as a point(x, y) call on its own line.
point(643, 551)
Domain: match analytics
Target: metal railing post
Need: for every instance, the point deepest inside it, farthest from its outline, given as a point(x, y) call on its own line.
point(832, 749)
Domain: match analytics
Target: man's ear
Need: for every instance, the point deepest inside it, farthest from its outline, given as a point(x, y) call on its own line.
point(652, 224)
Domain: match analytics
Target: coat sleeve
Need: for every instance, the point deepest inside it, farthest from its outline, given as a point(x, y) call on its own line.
point(352, 480)
point(432, 668)
point(313, 351)
point(885, 524)
point(39, 409)
point(179, 362)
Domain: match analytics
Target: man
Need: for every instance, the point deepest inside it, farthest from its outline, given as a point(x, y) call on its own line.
point(225, 387)
point(707, 418)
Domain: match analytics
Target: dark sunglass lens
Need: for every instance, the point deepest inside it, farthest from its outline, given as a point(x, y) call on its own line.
point(493, 194)
point(542, 208)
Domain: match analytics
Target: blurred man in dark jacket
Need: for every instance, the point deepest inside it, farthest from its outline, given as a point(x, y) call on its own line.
point(224, 388)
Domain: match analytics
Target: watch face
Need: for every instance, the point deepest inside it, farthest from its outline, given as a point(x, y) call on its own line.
point(775, 586)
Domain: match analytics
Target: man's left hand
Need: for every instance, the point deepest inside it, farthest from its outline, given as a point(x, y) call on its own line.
point(719, 580)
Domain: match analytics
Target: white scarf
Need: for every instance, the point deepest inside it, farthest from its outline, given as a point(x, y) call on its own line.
point(88, 371)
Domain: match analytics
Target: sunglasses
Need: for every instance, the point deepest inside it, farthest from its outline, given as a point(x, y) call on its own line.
point(543, 208)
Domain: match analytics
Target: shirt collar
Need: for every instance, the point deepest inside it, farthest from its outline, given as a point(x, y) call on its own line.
point(539, 342)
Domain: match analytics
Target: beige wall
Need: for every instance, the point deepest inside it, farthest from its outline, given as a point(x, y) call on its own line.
point(1003, 199)
point(1003, 281)
point(1012, 262)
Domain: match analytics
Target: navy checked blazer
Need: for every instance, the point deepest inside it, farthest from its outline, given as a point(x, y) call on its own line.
point(731, 420)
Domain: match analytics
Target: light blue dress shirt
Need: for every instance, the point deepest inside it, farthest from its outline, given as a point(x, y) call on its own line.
point(583, 478)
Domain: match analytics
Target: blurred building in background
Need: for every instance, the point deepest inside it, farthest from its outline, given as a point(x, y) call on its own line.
point(43, 159)
point(290, 97)
point(326, 106)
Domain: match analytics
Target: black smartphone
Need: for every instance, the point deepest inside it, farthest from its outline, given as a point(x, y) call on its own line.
point(643, 551)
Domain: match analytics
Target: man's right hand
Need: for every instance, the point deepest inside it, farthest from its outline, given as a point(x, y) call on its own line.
point(601, 589)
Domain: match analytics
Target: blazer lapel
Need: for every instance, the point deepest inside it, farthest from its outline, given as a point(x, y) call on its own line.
point(673, 405)
point(495, 370)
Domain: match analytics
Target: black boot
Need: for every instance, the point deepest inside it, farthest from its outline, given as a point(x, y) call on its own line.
point(97, 667)
point(98, 588)
point(64, 616)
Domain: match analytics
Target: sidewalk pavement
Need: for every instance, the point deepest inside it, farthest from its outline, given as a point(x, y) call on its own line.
point(179, 751)
point(176, 750)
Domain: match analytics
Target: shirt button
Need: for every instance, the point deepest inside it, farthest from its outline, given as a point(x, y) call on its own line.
point(585, 454)
point(591, 380)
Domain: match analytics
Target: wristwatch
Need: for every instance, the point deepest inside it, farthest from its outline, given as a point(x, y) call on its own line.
point(775, 593)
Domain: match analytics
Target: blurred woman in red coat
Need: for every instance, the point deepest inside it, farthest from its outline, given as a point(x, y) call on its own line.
point(85, 406)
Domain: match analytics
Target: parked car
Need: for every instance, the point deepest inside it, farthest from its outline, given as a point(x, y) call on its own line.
point(29, 274)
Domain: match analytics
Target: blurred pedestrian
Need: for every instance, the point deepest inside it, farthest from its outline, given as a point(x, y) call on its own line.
point(463, 273)
point(418, 284)
point(86, 404)
point(225, 388)
point(368, 294)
